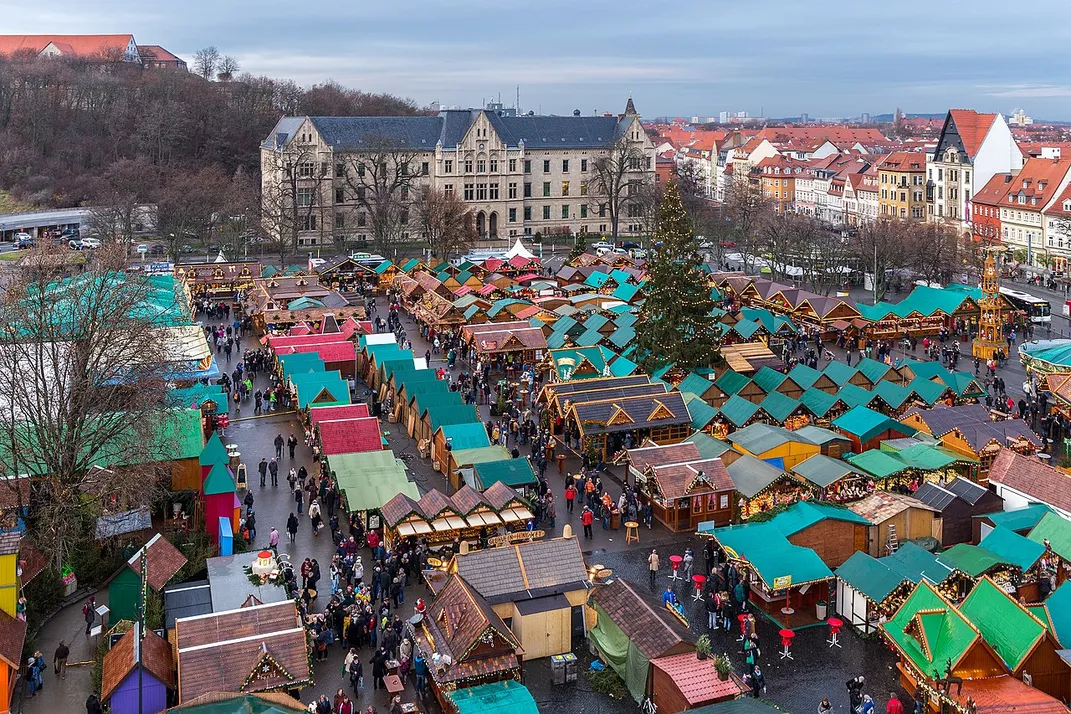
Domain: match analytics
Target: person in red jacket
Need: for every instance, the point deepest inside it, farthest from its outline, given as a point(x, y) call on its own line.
point(570, 496)
point(586, 519)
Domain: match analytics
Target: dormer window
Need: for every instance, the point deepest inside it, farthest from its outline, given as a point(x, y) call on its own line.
point(1067, 205)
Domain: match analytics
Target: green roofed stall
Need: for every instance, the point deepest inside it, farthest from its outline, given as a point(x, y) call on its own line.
point(948, 634)
point(369, 479)
point(300, 362)
point(504, 697)
point(1005, 624)
point(515, 473)
point(972, 559)
point(321, 389)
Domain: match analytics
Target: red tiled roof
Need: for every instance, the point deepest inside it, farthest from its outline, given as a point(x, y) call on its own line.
point(904, 161)
point(14, 492)
point(346, 411)
point(1003, 694)
point(698, 681)
point(277, 341)
point(299, 330)
point(12, 637)
point(1032, 477)
point(80, 45)
point(162, 561)
point(350, 436)
point(1057, 208)
point(994, 191)
point(1038, 181)
point(344, 351)
point(156, 53)
point(972, 128)
point(120, 661)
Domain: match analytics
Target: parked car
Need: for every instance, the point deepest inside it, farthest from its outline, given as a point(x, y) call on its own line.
point(90, 243)
point(602, 244)
point(158, 249)
point(630, 244)
point(638, 253)
point(23, 240)
point(187, 248)
point(75, 244)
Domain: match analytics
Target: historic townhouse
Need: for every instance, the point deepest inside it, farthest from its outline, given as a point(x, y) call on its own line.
point(1031, 191)
point(521, 175)
point(902, 182)
point(971, 149)
point(778, 180)
point(1057, 219)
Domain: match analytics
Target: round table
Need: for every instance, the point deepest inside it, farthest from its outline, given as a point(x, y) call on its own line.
point(675, 563)
point(786, 642)
point(835, 623)
point(699, 581)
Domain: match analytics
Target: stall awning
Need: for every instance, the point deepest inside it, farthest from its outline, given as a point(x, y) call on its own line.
point(512, 515)
point(484, 518)
point(449, 523)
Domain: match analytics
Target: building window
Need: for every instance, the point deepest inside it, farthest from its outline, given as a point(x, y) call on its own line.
point(424, 168)
point(340, 195)
point(404, 217)
point(305, 169)
point(583, 188)
point(481, 166)
point(470, 193)
point(481, 192)
point(468, 166)
point(527, 189)
point(565, 188)
point(494, 165)
point(527, 167)
point(307, 223)
point(512, 190)
point(583, 164)
point(546, 213)
point(565, 210)
point(448, 189)
point(340, 220)
point(513, 215)
point(304, 197)
point(448, 166)
point(527, 213)
point(360, 193)
point(340, 170)
point(546, 188)
point(361, 219)
point(583, 210)
point(602, 213)
point(512, 165)
point(565, 166)
point(546, 166)
point(493, 191)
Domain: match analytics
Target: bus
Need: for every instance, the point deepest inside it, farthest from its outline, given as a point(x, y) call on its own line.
point(1036, 309)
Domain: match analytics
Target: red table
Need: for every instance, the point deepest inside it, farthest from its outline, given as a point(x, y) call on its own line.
point(835, 623)
point(699, 581)
point(675, 562)
point(786, 642)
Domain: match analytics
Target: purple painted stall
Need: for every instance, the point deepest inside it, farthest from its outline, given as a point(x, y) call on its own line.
point(119, 678)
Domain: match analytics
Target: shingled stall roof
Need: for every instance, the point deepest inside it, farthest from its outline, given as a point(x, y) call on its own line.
point(523, 571)
point(1032, 478)
point(974, 423)
point(457, 621)
point(676, 481)
point(466, 508)
point(824, 471)
point(1008, 627)
point(625, 414)
point(880, 506)
point(162, 561)
point(251, 649)
point(698, 681)
point(347, 411)
point(655, 633)
point(122, 659)
point(925, 617)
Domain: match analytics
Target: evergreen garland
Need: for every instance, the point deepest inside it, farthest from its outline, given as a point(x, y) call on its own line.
point(676, 325)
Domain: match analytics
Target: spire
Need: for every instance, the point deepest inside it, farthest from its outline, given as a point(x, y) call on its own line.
point(630, 108)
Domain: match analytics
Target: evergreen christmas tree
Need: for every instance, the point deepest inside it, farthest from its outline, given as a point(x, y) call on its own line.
point(675, 322)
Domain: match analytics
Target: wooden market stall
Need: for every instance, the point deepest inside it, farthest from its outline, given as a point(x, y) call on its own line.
point(367, 481)
point(218, 280)
point(506, 344)
point(761, 486)
point(895, 518)
point(608, 422)
point(956, 503)
point(683, 488)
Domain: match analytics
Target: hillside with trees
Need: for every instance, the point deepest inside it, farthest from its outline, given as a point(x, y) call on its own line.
point(81, 133)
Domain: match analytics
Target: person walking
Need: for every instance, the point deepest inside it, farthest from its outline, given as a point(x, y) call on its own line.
point(570, 496)
point(273, 539)
point(273, 469)
point(279, 446)
point(292, 526)
point(59, 661)
point(894, 706)
point(314, 516)
point(299, 497)
point(262, 467)
point(89, 612)
point(586, 519)
point(292, 444)
point(652, 566)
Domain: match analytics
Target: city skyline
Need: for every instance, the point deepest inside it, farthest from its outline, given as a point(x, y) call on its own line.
point(686, 59)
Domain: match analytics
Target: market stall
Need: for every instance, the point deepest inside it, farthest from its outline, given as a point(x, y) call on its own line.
point(368, 480)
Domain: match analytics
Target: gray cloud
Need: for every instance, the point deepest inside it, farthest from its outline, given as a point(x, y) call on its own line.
point(826, 57)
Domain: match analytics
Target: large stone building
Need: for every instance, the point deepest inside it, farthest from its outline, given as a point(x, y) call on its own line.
point(521, 175)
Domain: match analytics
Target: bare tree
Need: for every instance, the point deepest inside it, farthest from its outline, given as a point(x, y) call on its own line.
point(205, 61)
point(825, 255)
point(448, 223)
point(744, 210)
point(882, 246)
point(938, 252)
point(228, 68)
point(290, 180)
point(383, 181)
point(616, 183)
point(83, 377)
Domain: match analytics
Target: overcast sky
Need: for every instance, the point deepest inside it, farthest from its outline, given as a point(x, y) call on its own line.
point(780, 57)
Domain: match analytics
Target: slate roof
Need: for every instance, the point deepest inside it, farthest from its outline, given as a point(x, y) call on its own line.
point(823, 471)
point(760, 438)
point(646, 456)
point(935, 496)
point(674, 480)
point(751, 475)
point(524, 571)
point(593, 416)
point(653, 632)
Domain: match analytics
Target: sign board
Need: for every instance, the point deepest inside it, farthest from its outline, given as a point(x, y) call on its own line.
point(143, 248)
point(489, 345)
point(782, 583)
point(518, 537)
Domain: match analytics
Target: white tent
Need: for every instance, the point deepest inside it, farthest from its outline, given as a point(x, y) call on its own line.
point(221, 258)
point(519, 249)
